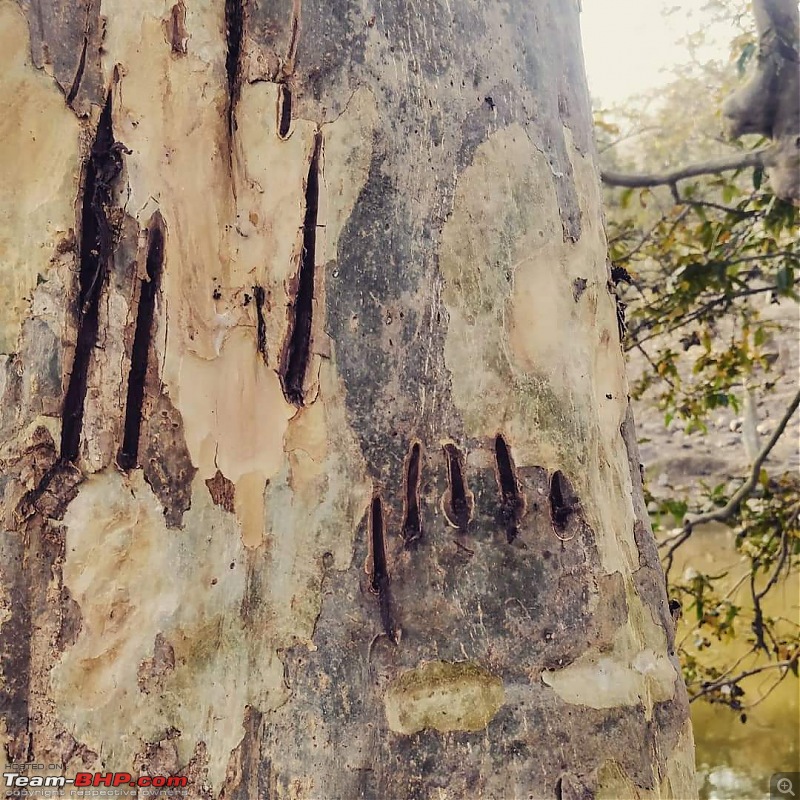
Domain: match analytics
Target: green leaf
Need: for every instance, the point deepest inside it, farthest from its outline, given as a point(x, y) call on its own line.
point(758, 177)
point(784, 279)
point(728, 192)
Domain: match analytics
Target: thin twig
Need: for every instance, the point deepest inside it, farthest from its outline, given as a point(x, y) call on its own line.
point(768, 692)
point(652, 363)
point(754, 158)
point(670, 556)
point(721, 514)
point(649, 233)
point(778, 567)
point(719, 207)
point(718, 684)
point(757, 625)
point(626, 137)
point(735, 666)
point(762, 257)
point(704, 309)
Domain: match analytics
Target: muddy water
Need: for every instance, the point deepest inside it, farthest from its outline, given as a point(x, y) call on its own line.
point(735, 759)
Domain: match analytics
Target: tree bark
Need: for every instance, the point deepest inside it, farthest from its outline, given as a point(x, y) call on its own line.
point(319, 478)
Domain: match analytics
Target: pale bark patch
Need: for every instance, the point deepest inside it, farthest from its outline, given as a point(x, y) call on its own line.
point(444, 697)
point(137, 583)
point(170, 112)
point(312, 511)
point(40, 152)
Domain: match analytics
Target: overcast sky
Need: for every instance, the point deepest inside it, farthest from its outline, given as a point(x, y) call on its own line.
point(629, 43)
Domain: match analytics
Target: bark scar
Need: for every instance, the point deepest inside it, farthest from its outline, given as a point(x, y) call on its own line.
point(129, 452)
point(96, 244)
point(298, 340)
point(512, 507)
point(412, 522)
point(457, 499)
point(379, 578)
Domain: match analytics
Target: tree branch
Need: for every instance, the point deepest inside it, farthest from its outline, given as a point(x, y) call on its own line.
point(721, 514)
point(689, 318)
point(754, 158)
point(718, 684)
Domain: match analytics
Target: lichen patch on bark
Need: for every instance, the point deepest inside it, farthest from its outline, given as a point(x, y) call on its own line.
point(444, 697)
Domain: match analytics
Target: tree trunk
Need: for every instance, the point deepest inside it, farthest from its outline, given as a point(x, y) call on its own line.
point(319, 475)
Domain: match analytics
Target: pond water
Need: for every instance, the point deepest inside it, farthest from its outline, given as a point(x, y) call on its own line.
point(734, 759)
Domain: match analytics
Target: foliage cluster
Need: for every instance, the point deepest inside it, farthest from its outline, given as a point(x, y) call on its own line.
point(698, 263)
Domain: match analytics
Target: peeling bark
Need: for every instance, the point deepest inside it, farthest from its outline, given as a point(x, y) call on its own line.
point(343, 504)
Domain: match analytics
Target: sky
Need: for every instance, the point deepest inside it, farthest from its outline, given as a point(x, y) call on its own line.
point(628, 45)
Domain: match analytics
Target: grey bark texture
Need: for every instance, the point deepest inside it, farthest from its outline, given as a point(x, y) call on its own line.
point(319, 478)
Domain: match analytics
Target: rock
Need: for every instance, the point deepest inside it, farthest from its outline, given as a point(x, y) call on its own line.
point(662, 480)
point(736, 424)
point(765, 427)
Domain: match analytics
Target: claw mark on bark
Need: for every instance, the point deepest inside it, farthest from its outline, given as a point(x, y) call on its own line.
point(285, 73)
point(284, 110)
point(457, 499)
point(234, 31)
point(288, 67)
point(513, 503)
point(76, 82)
point(298, 339)
point(412, 523)
point(379, 578)
point(569, 787)
point(96, 243)
point(260, 297)
point(129, 452)
point(563, 501)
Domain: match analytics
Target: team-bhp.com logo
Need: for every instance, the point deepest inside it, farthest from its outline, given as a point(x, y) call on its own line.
point(84, 782)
